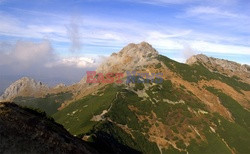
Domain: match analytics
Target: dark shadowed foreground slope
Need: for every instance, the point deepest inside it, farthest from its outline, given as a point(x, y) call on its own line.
point(24, 130)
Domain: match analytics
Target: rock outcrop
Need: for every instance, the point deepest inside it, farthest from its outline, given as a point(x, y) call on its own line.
point(130, 57)
point(229, 68)
point(24, 87)
point(61, 85)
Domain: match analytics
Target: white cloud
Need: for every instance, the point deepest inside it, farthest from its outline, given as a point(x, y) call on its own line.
point(31, 52)
point(104, 32)
point(187, 52)
point(157, 34)
point(97, 31)
point(15, 27)
point(24, 54)
point(207, 10)
point(195, 41)
point(219, 48)
point(38, 60)
point(80, 62)
point(169, 45)
point(74, 34)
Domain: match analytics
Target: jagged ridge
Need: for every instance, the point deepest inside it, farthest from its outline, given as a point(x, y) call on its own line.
point(24, 87)
point(227, 67)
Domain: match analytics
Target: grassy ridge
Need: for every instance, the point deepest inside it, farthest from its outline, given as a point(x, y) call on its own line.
point(197, 72)
point(77, 116)
point(241, 115)
point(49, 104)
point(236, 134)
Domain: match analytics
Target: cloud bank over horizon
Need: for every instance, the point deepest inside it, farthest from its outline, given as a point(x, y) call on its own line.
point(38, 60)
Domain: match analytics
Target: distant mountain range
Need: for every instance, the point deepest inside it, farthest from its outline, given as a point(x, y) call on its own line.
point(202, 106)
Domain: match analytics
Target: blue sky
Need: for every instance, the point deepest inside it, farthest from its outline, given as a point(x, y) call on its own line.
point(79, 33)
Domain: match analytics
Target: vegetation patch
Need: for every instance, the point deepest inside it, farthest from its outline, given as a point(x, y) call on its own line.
point(49, 104)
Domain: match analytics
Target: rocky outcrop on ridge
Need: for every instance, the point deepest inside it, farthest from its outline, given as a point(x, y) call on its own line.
point(229, 68)
point(24, 87)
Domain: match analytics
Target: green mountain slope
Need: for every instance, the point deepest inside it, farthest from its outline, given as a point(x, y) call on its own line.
point(166, 119)
point(50, 103)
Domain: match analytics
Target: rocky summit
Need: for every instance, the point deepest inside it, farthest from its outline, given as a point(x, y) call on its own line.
point(227, 67)
point(24, 87)
point(130, 57)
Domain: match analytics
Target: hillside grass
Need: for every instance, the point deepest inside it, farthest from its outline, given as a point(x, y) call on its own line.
point(49, 104)
point(241, 115)
point(198, 72)
point(76, 117)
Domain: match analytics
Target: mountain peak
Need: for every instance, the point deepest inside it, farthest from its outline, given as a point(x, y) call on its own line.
point(227, 67)
point(197, 58)
point(226, 64)
point(130, 57)
point(24, 87)
point(142, 49)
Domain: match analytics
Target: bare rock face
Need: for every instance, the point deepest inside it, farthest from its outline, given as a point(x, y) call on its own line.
point(130, 57)
point(61, 85)
point(24, 87)
point(229, 68)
